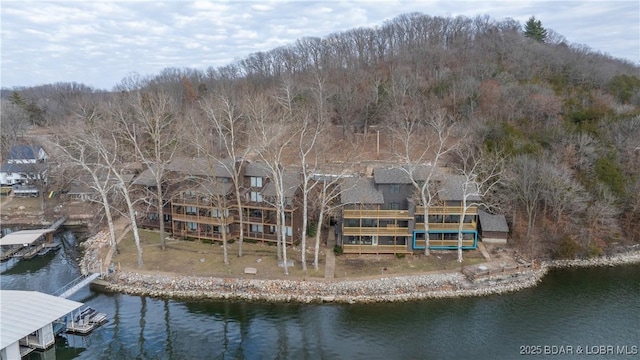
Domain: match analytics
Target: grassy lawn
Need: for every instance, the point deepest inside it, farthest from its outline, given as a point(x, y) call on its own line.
point(199, 259)
point(30, 204)
point(350, 265)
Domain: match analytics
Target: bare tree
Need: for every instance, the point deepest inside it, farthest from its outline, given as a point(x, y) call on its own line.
point(274, 134)
point(113, 157)
point(149, 122)
point(227, 125)
point(76, 151)
point(526, 182)
point(480, 175)
point(424, 142)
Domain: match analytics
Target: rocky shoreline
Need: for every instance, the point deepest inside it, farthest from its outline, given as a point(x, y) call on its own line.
point(384, 289)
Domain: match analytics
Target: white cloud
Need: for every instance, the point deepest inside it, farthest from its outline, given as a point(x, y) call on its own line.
point(100, 42)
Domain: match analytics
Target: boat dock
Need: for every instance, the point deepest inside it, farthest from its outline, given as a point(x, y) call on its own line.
point(27, 321)
point(26, 244)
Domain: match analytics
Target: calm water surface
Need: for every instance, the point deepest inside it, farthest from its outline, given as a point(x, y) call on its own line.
point(585, 308)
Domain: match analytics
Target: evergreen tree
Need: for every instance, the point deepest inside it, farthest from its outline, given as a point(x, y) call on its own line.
point(533, 29)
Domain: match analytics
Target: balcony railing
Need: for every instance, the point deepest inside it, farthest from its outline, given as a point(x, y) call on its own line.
point(202, 219)
point(374, 249)
point(205, 235)
point(383, 231)
point(376, 214)
point(447, 226)
point(445, 243)
point(446, 210)
point(261, 236)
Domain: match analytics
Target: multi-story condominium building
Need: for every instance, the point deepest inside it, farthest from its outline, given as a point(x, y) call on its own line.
point(202, 202)
point(259, 204)
point(382, 214)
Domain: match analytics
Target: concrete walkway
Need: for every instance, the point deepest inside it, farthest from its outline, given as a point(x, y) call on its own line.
point(122, 226)
point(484, 251)
point(330, 257)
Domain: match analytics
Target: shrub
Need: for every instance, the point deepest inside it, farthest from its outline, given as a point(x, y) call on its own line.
point(312, 229)
point(610, 174)
point(567, 248)
point(400, 255)
point(337, 249)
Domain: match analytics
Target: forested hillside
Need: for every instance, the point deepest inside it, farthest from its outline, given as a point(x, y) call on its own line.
point(564, 119)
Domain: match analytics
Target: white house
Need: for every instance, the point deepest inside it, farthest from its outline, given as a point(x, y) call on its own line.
point(25, 164)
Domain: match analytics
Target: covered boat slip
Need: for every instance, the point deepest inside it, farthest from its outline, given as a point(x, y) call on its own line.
point(26, 321)
point(27, 243)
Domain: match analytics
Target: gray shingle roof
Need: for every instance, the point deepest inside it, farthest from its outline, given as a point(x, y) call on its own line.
point(257, 168)
point(216, 188)
point(396, 175)
point(201, 166)
point(360, 191)
point(146, 178)
point(452, 189)
point(490, 222)
point(291, 184)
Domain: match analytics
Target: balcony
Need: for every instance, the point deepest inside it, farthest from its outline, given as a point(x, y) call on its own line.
point(446, 210)
point(202, 219)
point(376, 214)
point(261, 236)
point(466, 244)
point(382, 231)
point(374, 249)
point(205, 235)
point(447, 226)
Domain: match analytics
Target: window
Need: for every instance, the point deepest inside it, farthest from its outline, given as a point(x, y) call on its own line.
point(216, 213)
point(370, 222)
point(419, 218)
point(256, 181)
point(256, 196)
point(394, 206)
point(351, 222)
point(191, 210)
point(255, 213)
point(289, 230)
point(223, 180)
point(394, 188)
point(191, 226)
point(435, 219)
point(256, 228)
point(452, 219)
point(189, 194)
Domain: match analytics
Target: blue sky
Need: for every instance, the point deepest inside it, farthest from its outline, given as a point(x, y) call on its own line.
point(100, 42)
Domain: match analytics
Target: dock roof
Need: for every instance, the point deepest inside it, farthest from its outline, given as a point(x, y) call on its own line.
point(23, 237)
point(23, 312)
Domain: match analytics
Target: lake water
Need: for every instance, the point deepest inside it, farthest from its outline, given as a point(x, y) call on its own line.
point(572, 314)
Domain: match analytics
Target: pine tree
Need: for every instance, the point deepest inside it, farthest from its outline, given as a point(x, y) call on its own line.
point(533, 29)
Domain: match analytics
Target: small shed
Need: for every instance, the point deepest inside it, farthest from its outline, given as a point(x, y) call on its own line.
point(493, 228)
